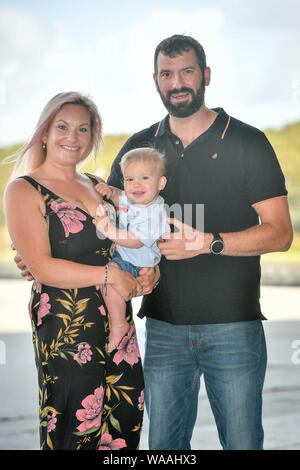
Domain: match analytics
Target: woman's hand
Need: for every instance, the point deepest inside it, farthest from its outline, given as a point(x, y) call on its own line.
point(148, 278)
point(124, 283)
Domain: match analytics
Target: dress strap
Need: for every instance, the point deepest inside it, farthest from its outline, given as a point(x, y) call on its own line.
point(39, 187)
point(29, 179)
point(92, 178)
point(43, 189)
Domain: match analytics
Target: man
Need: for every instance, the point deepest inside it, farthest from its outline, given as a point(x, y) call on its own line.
point(204, 318)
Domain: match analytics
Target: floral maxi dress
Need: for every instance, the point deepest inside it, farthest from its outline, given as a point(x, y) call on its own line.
point(88, 398)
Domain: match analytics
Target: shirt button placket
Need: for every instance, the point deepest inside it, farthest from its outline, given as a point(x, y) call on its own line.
point(181, 154)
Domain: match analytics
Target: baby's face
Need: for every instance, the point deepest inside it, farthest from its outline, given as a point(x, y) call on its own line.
point(142, 182)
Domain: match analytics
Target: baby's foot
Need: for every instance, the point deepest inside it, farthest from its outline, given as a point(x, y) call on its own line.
point(117, 333)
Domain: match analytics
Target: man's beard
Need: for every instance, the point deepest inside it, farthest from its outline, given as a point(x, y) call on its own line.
point(182, 110)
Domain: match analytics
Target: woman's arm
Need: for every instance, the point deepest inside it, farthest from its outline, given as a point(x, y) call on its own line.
point(25, 211)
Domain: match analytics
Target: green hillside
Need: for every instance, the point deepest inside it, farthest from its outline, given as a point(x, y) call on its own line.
point(285, 141)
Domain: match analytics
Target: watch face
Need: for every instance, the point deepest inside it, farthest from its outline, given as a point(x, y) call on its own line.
point(217, 247)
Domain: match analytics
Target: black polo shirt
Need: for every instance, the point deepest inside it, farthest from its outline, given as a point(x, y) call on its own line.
point(226, 169)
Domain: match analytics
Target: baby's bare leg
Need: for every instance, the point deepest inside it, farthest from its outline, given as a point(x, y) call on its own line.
point(116, 307)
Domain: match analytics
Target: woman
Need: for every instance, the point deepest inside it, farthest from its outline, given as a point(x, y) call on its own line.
point(89, 399)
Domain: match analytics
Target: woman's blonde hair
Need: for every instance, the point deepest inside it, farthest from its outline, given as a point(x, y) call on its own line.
point(33, 153)
point(144, 154)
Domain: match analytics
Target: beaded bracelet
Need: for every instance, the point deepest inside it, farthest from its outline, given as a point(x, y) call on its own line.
point(104, 285)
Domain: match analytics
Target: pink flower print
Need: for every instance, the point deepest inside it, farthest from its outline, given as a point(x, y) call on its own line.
point(141, 401)
point(51, 425)
point(128, 349)
point(69, 216)
point(43, 308)
point(91, 413)
point(107, 443)
point(84, 353)
point(102, 310)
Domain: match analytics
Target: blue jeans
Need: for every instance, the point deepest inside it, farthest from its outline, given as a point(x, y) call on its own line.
point(232, 358)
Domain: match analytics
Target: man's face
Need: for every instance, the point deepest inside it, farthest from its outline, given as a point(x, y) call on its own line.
point(180, 83)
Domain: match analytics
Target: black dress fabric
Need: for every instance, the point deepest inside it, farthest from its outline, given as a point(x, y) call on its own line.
point(88, 399)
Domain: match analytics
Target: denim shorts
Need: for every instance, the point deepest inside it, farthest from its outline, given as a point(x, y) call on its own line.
point(126, 265)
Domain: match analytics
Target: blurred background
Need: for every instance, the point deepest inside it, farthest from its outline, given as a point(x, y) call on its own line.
point(105, 49)
point(107, 52)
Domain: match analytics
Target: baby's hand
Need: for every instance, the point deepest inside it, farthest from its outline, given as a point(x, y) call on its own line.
point(104, 190)
point(101, 220)
point(100, 211)
point(105, 219)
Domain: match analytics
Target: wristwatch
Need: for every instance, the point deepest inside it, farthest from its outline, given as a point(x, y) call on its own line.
point(217, 245)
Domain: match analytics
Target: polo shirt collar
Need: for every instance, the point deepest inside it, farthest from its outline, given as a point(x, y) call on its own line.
point(218, 125)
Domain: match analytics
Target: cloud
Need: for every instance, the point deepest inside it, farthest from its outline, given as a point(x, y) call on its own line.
point(270, 15)
point(130, 87)
point(263, 60)
point(37, 61)
point(115, 68)
point(253, 54)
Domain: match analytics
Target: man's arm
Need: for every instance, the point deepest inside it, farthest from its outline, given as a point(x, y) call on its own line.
point(274, 233)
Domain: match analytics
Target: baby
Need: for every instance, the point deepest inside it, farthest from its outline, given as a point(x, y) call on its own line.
point(142, 220)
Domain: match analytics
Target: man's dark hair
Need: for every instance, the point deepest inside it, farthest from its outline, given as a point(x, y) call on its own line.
point(178, 43)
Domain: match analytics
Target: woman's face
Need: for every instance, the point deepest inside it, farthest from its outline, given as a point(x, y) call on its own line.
point(69, 137)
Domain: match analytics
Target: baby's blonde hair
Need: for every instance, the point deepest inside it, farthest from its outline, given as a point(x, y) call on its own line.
point(144, 154)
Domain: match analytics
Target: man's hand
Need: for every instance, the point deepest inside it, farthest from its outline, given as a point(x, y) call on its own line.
point(147, 278)
point(186, 242)
point(20, 264)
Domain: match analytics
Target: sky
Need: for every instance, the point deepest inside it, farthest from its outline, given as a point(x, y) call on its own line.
point(105, 49)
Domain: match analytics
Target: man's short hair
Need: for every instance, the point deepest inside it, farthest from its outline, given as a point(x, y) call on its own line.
point(178, 43)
